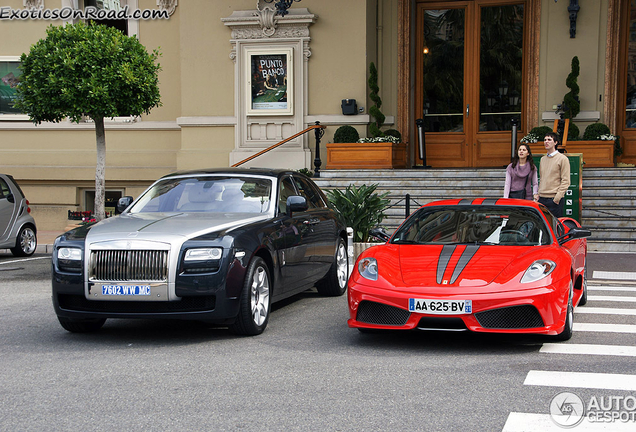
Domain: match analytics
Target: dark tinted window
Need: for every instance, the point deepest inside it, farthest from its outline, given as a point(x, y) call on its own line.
point(4, 189)
point(310, 192)
point(286, 189)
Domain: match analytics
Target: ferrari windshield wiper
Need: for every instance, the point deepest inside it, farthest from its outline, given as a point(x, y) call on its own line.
point(406, 242)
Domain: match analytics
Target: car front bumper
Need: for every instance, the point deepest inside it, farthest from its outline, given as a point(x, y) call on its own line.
point(538, 310)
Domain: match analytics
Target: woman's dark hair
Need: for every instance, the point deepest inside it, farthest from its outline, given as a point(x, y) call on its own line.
point(515, 160)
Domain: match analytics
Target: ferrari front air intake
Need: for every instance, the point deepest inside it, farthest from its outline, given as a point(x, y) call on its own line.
point(377, 313)
point(513, 317)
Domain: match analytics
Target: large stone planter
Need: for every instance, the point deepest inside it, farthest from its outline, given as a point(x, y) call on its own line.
point(366, 155)
point(596, 153)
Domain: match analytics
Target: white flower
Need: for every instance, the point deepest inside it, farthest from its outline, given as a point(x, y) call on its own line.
point(530, 138)
point(607, 137)
point(389, 138)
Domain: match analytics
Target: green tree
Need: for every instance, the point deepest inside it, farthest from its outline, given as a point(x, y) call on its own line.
point(571, 105)
point(91, 71)
point(374, 128)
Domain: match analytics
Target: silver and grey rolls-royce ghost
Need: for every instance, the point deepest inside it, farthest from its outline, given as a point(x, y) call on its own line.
point(215, 245)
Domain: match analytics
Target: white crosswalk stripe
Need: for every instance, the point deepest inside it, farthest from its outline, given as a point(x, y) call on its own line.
point(588, 349)
point(587, 380)
point(604, 311)
point(593, 288)
point(530, 422)
point(625, 299)
point(630, 276)
point(604, 328)
point(517, 422)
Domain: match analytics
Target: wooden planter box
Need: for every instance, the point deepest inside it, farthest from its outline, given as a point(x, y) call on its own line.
point(595, 153)
point(366, 155)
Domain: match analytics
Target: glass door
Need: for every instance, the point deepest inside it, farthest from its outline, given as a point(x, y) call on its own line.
point(626, 109)
point(469, 80)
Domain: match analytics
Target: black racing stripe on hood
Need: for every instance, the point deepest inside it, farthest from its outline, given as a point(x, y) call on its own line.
point(490, 201)
point(442, 263)
point(467, 255)
point(465, 201)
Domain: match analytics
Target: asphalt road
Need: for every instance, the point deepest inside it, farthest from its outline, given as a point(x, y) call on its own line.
point(308, 371)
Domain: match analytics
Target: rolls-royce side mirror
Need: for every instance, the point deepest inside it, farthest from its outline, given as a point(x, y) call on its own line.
point(123, 204)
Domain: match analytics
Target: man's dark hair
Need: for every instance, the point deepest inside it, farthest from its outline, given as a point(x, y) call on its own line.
point(556, 137)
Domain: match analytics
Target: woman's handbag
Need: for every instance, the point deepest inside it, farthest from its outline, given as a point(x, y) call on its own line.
point(520, 194)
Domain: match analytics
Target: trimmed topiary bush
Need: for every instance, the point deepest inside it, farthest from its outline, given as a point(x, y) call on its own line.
point(540, 131)
point(595, 130)
point(573, 132)
point(571, 105)
point(374, 128)
point(346, 134)
point(394, 133)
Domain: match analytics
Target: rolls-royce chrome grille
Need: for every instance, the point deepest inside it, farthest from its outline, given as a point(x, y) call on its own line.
point(129, 265)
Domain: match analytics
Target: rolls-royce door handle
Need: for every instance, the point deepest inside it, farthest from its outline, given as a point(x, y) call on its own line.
point(467, 110)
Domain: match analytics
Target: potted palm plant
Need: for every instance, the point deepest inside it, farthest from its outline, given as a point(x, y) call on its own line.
point(361, 208)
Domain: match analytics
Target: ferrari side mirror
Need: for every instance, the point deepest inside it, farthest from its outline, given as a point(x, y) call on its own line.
point(380, 234)
point(574, 233)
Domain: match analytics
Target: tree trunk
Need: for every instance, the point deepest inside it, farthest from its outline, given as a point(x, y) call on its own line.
point(100, 169)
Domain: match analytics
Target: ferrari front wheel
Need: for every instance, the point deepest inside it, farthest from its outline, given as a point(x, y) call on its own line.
point(583, 299)
point(566, 334)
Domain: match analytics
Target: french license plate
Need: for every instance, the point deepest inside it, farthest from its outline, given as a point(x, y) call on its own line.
point(126, 290)
point(441, 307)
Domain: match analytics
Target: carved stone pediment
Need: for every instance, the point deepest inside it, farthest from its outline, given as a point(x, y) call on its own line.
point(263, 23)
point(167, 5)
point(33, 4)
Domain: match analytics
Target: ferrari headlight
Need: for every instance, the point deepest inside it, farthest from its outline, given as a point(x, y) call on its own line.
point(70, 254)
point(203, 254)
point(368, 268)
point(538, 270)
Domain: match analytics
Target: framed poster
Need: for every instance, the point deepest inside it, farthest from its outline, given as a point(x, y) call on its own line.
point(270, 84)
point(9, 78)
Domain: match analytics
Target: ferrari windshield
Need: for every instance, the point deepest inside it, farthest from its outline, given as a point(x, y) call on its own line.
point(474, 225)
point(218, 194)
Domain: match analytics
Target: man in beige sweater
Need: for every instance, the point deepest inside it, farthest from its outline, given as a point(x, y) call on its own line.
point(554, 171)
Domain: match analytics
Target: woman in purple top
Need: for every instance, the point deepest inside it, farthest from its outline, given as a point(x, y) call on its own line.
point(522, 180)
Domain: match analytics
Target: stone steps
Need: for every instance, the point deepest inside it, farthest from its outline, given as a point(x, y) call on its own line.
point(608, 203)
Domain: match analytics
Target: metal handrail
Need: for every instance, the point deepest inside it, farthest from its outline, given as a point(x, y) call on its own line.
point(319, 133)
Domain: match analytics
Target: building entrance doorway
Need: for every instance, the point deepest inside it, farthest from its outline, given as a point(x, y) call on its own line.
point(471, 78)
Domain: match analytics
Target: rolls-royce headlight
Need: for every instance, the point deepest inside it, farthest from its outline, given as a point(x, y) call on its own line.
point(538, 270)
point(69, 254)
point(203, 254)
point(368, 268)
point(69, 259)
